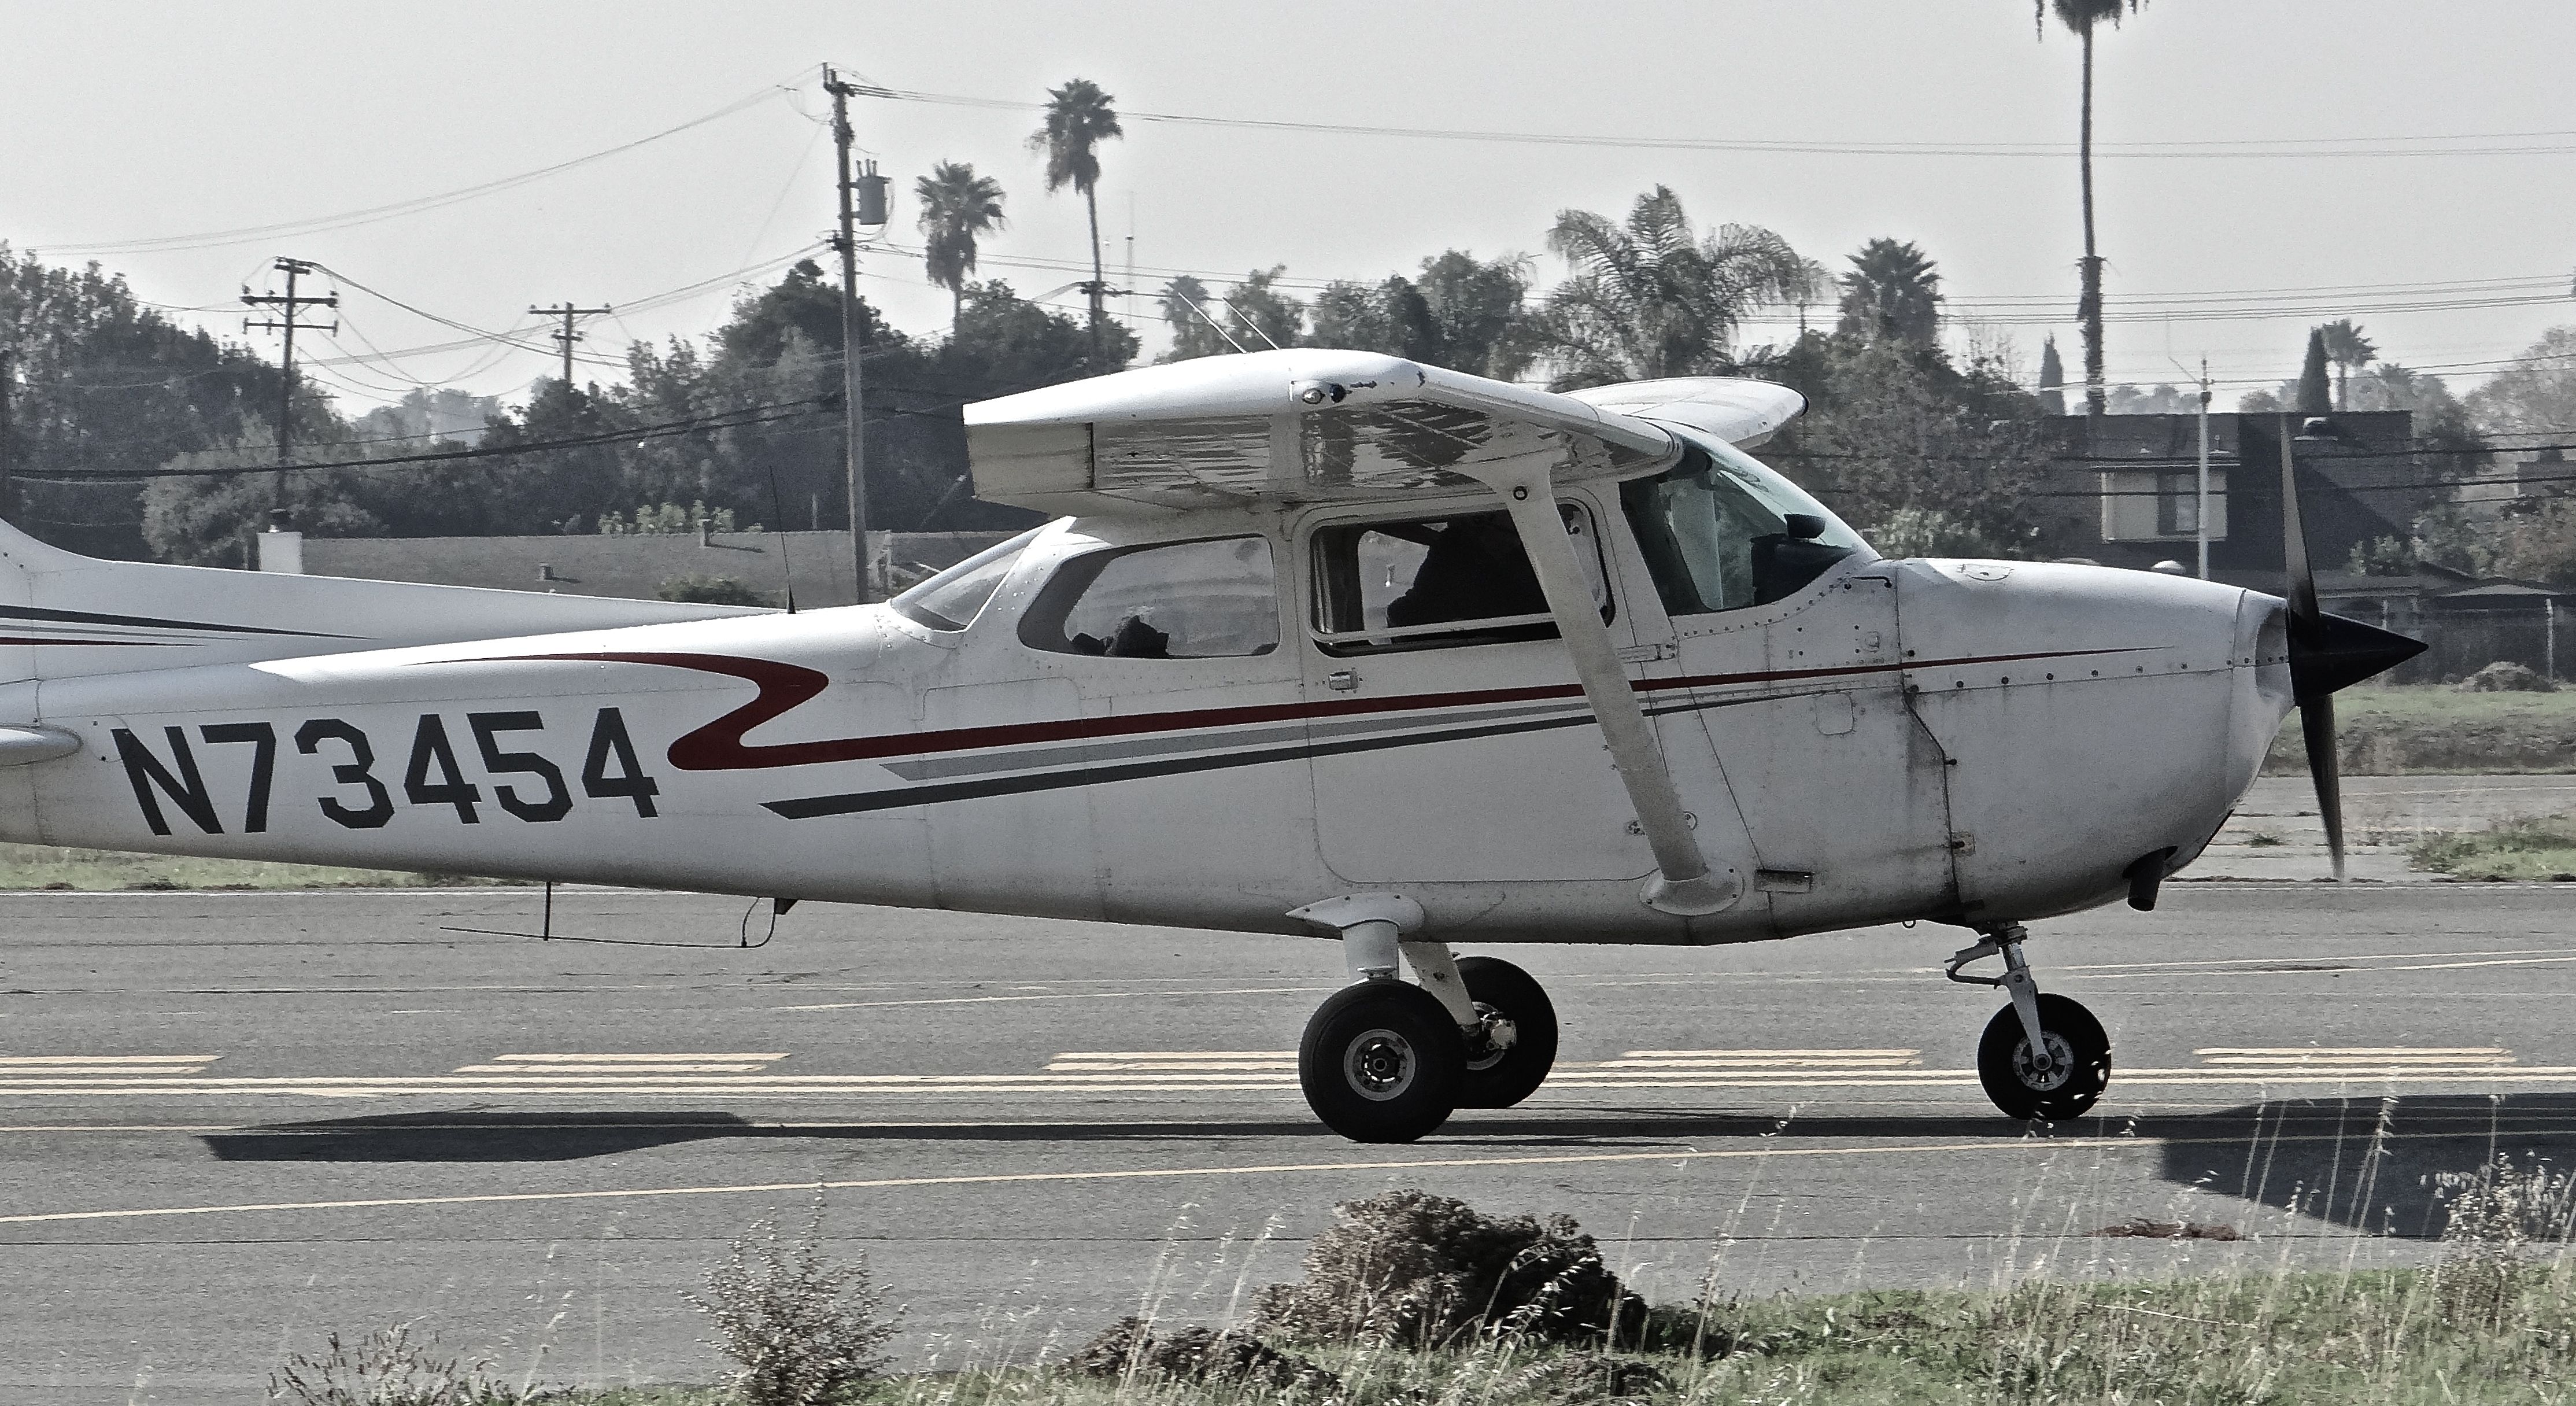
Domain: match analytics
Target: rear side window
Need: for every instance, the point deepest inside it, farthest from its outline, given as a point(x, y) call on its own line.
point(1180, 600)
point(1429, 582)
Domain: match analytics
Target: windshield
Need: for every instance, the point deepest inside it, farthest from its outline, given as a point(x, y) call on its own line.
point(952, 599)
point(1720, 532)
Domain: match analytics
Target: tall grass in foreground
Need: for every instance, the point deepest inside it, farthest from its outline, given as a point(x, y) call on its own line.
point(2492, 1320)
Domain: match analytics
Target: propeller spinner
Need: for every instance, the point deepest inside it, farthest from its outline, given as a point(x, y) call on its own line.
point(2327, 653)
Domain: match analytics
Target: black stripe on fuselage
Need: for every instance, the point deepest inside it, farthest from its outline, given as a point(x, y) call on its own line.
point(85, 617)
point(858, 802)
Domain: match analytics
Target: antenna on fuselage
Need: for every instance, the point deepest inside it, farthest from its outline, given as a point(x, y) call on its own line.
point(1219, 327)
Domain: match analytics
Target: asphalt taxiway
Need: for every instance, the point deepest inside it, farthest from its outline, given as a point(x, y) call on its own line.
point(235, 1122)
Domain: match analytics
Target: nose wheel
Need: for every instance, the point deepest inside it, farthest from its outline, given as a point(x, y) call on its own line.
point(2043, 1056)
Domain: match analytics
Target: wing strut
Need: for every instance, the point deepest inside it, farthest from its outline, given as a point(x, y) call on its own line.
point(1685, 885)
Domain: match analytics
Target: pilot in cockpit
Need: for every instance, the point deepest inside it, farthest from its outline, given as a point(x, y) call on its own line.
point(1474, 569)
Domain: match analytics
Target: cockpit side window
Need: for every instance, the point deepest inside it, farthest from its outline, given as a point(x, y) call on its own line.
point(952, 599)
point(1175, 600)
point(1720, 532)
point(1434, 582)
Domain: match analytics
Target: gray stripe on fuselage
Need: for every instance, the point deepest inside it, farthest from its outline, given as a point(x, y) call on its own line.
point(938, 768)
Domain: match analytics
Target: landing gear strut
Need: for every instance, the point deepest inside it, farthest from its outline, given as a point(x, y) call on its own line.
point(1384, 1060)
point(2043, 1056)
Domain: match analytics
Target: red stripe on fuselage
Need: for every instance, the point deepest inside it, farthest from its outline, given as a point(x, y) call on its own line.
point(719, 745)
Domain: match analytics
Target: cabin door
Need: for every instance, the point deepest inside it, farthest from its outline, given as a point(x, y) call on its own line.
point(1451, 742)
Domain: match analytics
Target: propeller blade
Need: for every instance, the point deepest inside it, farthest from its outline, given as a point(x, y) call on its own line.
point(2316, 725)
point(2327, 653)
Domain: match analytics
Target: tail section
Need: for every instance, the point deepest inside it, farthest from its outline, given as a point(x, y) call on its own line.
point(63, 615)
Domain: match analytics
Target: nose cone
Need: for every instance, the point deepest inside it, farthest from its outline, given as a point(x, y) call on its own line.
point(2329, 653)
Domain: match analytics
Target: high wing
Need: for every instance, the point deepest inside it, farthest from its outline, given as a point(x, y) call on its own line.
point(1307, 425)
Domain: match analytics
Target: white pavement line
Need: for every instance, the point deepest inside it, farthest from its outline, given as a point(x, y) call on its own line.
point(102, 1061)
point(670, 1068)
point(725, 1055)
point(2338, 957)
point(2464, 1051)
point(1051, 996)
point(1139, 1174)
point(1683, 1154)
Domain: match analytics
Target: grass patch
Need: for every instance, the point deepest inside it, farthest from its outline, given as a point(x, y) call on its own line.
point(2525, 848)
point(2493, 1320)
point(91, 870)
point(2406, 1336)
point(2407, 728)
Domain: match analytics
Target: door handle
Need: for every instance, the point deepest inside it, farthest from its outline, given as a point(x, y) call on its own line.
point(1342, 680)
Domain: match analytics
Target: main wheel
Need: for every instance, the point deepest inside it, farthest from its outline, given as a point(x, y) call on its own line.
point(1381, 1062)
point(1509, 1056)
point(2077, 1067)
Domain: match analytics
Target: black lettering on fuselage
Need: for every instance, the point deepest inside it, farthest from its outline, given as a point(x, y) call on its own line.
point(263, 765)
point(609, 742)
point(486, 727)
point(356, 771)
point(186, 790)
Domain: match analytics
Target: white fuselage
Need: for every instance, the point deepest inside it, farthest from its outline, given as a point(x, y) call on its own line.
point(1970, 741)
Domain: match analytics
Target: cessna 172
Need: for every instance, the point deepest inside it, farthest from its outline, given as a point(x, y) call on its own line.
point(1324, 642)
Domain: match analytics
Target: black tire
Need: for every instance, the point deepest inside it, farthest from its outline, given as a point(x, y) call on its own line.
point(1381, 1062)
point(1502, 1078)
point(2080, 1056)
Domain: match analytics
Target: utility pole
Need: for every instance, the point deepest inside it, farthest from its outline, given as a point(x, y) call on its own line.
point(286, 322)
point(567, 336)
point(863, 201)
point(8, 385)
point(2202, 517)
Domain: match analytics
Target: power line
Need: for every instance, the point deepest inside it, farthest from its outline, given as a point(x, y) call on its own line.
point(2535, 143)
point(249, 234)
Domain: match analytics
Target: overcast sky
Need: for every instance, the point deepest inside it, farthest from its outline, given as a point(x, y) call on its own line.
point(158, 122)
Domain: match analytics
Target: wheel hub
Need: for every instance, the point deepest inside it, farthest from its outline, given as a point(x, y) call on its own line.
point(2049, 1068)
point(1379, 1065)
point(1491, 1038)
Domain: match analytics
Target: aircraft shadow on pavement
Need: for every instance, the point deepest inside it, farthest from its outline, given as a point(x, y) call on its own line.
point(2366, 1163)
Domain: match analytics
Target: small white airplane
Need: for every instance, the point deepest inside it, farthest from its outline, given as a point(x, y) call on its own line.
point(1328, 642)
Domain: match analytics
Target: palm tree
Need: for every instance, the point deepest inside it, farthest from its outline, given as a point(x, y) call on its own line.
point(2349, 351)
point(956, 206)
point(1078, 119)
point(1647, 299)
point(1893, 290)
point(2081, 16)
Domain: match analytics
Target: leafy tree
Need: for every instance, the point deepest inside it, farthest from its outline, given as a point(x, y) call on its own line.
point(1264, 316)
point(2052, 379)
point(2535, 395)
point(105, 385)
point(2315, 396)
point(1078, 119)
point(2539, 545)
point(1892, 290)
point(2349, 351)
point(956, 206)
point(1192, 310)
point(1912, 450)
point(1462, 313)
point(1391, 317)
point(1648, 299)
point(2081, 17)
point(1254, 315)
point(429, 414)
